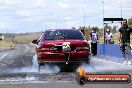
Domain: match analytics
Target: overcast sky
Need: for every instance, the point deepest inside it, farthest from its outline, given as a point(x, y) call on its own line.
point(37, 15)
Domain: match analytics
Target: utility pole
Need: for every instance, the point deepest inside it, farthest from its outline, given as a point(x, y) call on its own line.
point(46, 26)
point(121, 7)
point(121, 10)
point(65, 23)
point(56, 24)
point(84, 20)
point(103, 22)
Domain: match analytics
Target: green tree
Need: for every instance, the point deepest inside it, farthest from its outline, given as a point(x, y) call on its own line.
point(130, 21)
point(113, 30)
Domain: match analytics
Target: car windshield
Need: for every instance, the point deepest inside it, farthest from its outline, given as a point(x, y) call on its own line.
point(63, 34)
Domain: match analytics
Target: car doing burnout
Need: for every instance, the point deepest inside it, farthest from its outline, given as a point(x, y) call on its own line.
point(62, 47)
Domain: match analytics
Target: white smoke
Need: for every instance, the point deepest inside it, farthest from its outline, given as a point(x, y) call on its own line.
point(35, 67)
point(49, 69)
point(98, 65)
point(45, 68)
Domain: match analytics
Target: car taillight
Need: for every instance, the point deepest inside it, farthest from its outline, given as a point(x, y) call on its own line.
point(85, 47)
point(79, 48)
point(48, 48)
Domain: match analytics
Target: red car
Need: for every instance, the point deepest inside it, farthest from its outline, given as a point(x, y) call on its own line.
point(62, 47)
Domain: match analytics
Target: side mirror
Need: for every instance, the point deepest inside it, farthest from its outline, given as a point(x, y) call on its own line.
point(34, 41)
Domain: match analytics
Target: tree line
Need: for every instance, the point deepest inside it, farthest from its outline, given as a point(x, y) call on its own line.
point(114, 29)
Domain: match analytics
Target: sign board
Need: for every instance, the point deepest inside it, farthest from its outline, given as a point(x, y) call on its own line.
point(113, 19)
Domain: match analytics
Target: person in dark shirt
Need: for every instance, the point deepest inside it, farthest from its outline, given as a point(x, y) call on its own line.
point(124, 41)
point(94, 40)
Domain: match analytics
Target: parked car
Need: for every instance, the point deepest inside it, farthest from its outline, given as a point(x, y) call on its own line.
point(62, 47)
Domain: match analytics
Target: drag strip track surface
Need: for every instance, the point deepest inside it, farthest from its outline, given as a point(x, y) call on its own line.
point(17, 70)
point(16, 58)
point(32, 76)
point(59, 80)
point(2, 56)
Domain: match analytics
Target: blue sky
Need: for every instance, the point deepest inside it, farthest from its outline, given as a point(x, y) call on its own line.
point(37, 15)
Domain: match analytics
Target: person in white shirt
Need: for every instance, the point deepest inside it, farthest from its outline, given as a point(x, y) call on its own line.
point(94, 39)
point(108, 37)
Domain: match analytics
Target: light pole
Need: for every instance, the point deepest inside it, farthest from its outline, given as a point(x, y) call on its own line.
point(103, 8)
point(121, 7)
point(46, 26)
point(103, 22)
point(65, 23)
point(121, 10)
point(56, 24)
point(84, 19)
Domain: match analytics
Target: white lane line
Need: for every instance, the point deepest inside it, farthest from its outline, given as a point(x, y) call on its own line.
point(110, 62)
point(3, 56)
point(27, 48)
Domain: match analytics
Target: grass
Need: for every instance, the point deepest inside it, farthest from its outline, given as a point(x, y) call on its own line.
point(19, 39)
point(27, 39)
point(6, 43)
point(23, 40)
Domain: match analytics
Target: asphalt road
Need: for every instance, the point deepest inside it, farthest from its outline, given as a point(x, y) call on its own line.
point(17, 70)
point(18, 57)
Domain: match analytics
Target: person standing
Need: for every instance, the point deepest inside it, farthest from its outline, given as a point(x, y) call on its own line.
point(124, 41)
point(94, 39)
point(108, 37)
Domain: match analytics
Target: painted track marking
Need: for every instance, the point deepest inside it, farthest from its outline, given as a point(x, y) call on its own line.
point(27, 48)
point(3, 56)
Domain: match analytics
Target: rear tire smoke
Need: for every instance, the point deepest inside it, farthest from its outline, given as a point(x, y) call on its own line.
point(44, 68)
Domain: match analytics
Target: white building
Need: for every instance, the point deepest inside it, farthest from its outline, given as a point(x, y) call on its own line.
point(1, 37)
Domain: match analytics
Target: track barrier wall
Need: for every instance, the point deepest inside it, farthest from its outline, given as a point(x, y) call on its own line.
point(112, 50)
